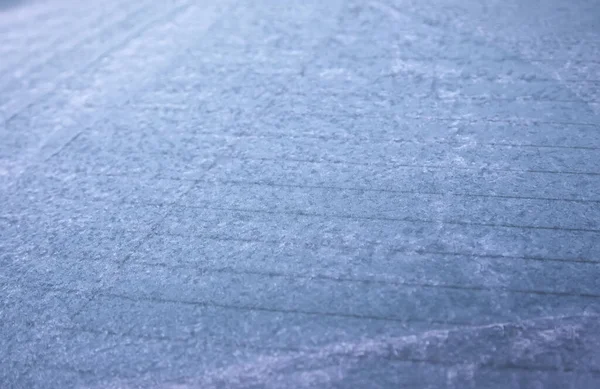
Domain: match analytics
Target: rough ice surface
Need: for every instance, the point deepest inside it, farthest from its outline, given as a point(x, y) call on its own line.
point(301, 193)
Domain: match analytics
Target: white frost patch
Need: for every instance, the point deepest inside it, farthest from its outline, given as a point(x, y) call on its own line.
point(498, 344)
point(336, 73)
